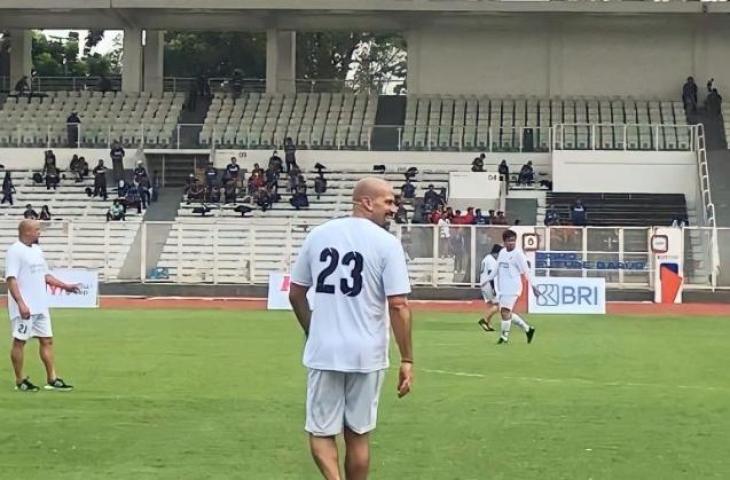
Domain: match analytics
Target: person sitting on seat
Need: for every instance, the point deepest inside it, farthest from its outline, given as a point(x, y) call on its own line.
point(578, 213)
point(527, 174)
point(300, 200)
point(230, 191)
point(552, 217)
point(262, 198)
point(139, 171)
point(21, 86)
point(477, 165)
point(196, 191)
point(45, 214)
point(408, 191)
point(115, 212)
point(30, 213)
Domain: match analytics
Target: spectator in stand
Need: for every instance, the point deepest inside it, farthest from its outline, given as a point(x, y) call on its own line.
point(401, 215)
point(117, 156)
point(79, 167)
point(51, 174)
point(444, 225)
point(477, 165)
point(527, 174)
point(230, 191)
point(21, 86)
point(116, 211)
point(237, 83)
point(578, 213)
point(122, 190)
point(233, 169)
point(713, 102)
point(104, 84)
point(408, 191)
point(503, 170)
point(320, 184)
point(45, 214)
point(100, 180)
point(294, 177)
point(139, 171)
point(211, 177)
point(290, 151)
point(258, 170)
point(431, 199)
point(689, 95)
point(133, 197)
point(501, 219)
point(435, 216)
point(275, 163)
point(144, 191)
point(214, 195)
point(155, 186)
point(449, 213)
point(469, 216)
point(189, 183)
point(262, 198)
point(8, 189)
point(552, 217)
point(458, 218)
point(480, 219)
point(196, 191)
point(299, 199)
point(30, 213)
point(72, 129)
point(272, 180)
point(492, 216)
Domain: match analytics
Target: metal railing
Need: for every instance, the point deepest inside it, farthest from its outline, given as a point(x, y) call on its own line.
point(704, 201)
point(203, 251)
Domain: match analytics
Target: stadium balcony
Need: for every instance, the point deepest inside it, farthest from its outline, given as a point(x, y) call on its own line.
point(127, 118)
point(78, 235)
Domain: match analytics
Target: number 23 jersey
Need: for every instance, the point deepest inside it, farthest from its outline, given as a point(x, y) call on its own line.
point(353, 265)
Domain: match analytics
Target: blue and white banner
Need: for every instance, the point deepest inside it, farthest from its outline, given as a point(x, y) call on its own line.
point(568, 295)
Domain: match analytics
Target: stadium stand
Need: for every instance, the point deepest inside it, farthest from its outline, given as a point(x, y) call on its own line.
point(84, 246)
point(624, 209)
point(129, 118)
point(312, 120)
point(523, 123)
point(275, 234)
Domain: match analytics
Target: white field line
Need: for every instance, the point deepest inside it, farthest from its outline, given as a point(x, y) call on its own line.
point(577, 380)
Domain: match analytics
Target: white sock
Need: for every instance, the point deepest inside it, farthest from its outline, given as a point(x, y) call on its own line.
point(506, 324)
point(517, 320)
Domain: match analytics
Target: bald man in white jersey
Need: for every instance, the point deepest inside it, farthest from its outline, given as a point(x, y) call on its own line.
point(358, 270)
point(511, 268)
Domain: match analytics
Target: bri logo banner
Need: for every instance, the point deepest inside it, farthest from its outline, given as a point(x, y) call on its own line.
point(88, 297)
point(568, 295)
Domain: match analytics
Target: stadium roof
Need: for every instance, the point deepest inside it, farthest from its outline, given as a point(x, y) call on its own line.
point(309, 15)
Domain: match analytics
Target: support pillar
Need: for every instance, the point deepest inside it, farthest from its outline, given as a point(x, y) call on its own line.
point(281, 57)
point(154, 51)
point(21, 55)
point(132, 60)
point(413, 61)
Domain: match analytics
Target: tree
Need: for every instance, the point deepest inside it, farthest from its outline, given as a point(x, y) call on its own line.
point(60, 56)
point(215, 54)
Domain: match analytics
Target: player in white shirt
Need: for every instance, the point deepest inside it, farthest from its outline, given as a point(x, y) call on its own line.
point(511, 267)
point(26, 273)
point(359, 274)
point(489, 294)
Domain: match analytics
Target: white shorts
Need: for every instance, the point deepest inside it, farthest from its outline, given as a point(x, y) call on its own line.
point(508, 301)
point(339, 399)
point(488, 294)
point(36, 326)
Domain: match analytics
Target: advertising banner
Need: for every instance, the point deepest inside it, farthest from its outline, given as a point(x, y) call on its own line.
point(87, 298)
point(568, 295)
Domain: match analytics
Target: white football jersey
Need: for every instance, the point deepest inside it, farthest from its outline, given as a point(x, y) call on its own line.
point(353, 265)
point(489, 264)
point(510, 268)
point(29, 268)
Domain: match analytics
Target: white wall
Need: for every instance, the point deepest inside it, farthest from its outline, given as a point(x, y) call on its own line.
point(626, 172)
point(365, 160)
point(32, 158)
point(570, 55)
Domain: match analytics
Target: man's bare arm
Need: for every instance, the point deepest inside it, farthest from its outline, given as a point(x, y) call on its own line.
point(15, 291)
point(54, 282)
point(400, 320)
point(300, 304)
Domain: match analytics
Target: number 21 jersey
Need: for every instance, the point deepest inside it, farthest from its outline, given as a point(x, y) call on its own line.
point(353, 265)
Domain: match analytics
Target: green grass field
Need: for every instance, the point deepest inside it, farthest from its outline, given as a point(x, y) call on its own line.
point(220, 394)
